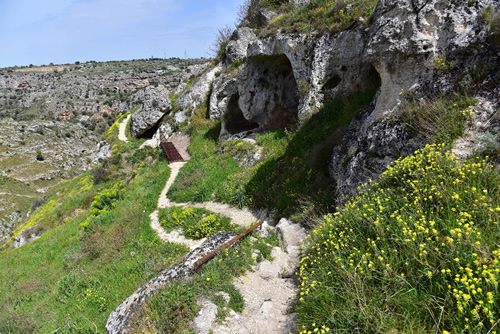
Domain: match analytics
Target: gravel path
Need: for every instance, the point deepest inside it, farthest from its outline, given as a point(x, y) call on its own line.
point(268, 291)
point(240, 217)
point(123, 126)
point(268, 298)
point(163, 202)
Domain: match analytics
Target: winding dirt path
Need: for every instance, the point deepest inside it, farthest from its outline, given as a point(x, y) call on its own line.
point(123, 126)
point(18, 195)
point(268, 291)
point(163, 202)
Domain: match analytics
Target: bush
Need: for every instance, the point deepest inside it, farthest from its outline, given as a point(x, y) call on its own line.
point(218, 47)
point(101, 173)
point(416, 252)
point(39, 155)
point(321, 15)
point(195, 223)
point(491, 18)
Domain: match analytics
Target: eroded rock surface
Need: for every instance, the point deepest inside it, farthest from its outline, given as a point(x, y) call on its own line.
point(118, 321)
point(156, 103)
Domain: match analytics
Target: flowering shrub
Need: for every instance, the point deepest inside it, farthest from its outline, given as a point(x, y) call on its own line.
point(94, 299)
point(442, 64)
point(103, 201)
point(417, 250)
point(195, 223)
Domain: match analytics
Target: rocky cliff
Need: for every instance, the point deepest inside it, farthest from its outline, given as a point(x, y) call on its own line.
point(279, 80)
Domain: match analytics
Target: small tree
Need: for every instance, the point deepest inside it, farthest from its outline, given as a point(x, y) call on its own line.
point(218, 47)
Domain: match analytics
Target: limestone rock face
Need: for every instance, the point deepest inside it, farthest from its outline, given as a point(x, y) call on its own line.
point(156, 104)
point(406, 35)
point(300, 2)
point(288, 77)
point(366, 150)
point(238, 44)
point(404, 39)
point(222, 91)
point(103, 151)
point(195, 95)
point(268, 94)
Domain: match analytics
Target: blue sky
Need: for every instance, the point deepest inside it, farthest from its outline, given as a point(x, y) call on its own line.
point(64, 31)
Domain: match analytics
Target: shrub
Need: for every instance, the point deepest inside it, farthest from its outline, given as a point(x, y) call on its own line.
point(321, 15)
point(101, 173)
point(39, 155)
point(195, 223)
point(218, 47)
point(491, 18)
point(416, 252)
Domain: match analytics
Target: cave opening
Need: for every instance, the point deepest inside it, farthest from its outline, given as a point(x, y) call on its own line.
point(234, 119)
point(272, 97)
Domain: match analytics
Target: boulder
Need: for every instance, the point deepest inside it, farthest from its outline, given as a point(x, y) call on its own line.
point(156, 103)
point(103, 152)
point(206, 317)
point(236, 48)
point(291, 235)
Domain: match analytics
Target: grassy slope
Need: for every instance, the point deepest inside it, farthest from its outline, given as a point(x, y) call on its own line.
point(85, 275)
point(416, 252)
point(73, 277)
point(293, 169)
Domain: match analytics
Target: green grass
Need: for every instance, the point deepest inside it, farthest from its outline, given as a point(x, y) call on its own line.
point(174, 307)
point(292, 175)
point(73, 278)
point(416, 252)
point(195, 223)
point(439, 121)
point(320, 15)
point(206, 169)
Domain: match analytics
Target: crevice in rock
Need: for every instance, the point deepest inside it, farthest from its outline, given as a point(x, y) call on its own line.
point(333, 81)
point(151, 132)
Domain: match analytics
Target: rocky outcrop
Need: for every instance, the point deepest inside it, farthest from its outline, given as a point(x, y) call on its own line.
point(156, 103)
point(26, 236)
point(236, 48)
point(407, 35)
point(196, 94)
point(289, 76)
point(402, 43)
point(103, 152)
point(119, 319)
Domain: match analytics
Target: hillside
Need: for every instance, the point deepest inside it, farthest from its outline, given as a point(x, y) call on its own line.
point(52, 117)
point(364, 137)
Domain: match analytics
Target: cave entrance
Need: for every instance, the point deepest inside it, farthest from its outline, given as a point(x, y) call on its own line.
point(271, 97)
point(234, 120)
point(148, 134)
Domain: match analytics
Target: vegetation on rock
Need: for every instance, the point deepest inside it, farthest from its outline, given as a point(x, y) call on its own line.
point(416, 251)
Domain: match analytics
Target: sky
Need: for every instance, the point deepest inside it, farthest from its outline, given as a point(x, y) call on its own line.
point(40, 32)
